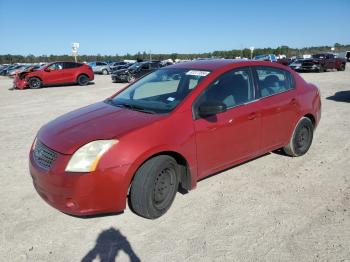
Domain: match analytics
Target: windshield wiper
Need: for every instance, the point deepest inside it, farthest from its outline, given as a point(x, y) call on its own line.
point(129, 106)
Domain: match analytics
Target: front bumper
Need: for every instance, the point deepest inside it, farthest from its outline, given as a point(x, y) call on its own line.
point(20, 83)
point(314, 68)
point(80, 194)
point(119, 78)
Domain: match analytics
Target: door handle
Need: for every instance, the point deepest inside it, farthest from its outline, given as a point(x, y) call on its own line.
point(293, 101)
point(252, 116)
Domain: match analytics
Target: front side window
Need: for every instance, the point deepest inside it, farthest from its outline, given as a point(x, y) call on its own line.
point(233, 88)
point(56, 66)
point(160, 91)
point(273, 81)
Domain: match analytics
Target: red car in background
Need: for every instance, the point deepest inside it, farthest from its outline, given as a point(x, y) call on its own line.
point(54, 74)
point(169, 129)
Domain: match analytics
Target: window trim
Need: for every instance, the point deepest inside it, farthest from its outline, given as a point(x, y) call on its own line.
point(288, 74)
point(195, 105)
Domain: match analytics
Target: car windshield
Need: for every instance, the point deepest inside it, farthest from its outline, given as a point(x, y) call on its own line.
point(135, 66)
point(160, 91)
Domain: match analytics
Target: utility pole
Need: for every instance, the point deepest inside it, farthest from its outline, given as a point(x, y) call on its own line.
point(251, 52)
point(75, 47)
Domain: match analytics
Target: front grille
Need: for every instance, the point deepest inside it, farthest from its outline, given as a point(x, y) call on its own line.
point(43, 155)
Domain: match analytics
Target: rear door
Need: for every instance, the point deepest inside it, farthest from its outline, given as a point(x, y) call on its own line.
point(230, 137)
point(278, 103)
point(69, 72)
point(330, 61)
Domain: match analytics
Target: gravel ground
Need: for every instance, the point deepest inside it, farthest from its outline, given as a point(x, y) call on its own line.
point(274, 208)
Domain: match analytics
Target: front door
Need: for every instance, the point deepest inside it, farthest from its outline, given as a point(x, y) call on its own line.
point(54, 75)
point(227, 138)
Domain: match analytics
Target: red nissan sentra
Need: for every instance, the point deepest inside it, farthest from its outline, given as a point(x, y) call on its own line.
point(170, 129)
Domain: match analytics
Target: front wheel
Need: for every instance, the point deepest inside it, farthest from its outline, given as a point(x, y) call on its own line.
point(321, 70)
point(154, 187)
point(301, 139)
point(131, 79)
point(34, 83)
point(105, 72)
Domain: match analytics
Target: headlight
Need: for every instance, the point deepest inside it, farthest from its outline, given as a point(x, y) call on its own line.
point(86, 158)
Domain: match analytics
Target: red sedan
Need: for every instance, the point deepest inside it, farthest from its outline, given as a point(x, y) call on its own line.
point(54, 74)
point(170, 129)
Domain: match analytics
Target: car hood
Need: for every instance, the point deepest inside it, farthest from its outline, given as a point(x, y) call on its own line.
point(98, 121)
point(120, 71)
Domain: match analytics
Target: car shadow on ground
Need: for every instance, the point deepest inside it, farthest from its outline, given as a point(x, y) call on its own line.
point(341, 96)
point(108, 244)
point(49, 86)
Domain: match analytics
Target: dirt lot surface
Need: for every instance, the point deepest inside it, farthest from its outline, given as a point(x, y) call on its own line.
point(274, 208)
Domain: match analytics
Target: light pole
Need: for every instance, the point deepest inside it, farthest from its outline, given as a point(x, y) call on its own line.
point(251, 52)
point(75, 47)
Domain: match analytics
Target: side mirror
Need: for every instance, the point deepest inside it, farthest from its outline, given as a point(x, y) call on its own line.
point(211, 108)
point(47, 69)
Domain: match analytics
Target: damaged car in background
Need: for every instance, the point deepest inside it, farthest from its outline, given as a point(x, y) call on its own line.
point(135, 71)
point(56, 73)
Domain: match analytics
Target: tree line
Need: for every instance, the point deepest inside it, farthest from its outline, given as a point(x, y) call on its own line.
point(285, 50)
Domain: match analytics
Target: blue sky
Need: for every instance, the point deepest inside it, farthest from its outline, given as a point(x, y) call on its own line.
point(120, 27)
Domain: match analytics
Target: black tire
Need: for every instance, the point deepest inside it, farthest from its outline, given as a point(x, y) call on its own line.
point(34, 83)
point(154, 187)
point(321, 70)
point(82, 80)
point(301, 139)
point(342, 67)
point(105, 72)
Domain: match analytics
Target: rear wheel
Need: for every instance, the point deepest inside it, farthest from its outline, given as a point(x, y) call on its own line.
point(342, 67)
point(301, 139)
point(83, 80)
point(154, 187)
point(34, 83)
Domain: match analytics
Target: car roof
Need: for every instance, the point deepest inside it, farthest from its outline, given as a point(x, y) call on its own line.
point(215, 64)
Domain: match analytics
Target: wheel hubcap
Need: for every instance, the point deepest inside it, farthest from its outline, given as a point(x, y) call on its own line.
point(164, 187)
point(83, 80)
point(303, 138)
point(35, 83)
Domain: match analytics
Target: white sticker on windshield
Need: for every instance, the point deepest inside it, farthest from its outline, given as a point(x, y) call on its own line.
point(197, 73)
point(171, 99)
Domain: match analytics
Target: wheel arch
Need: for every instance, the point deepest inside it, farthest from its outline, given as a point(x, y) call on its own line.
point(312, 118)
point(80, 74)
point(36, 77)
point(185, 173)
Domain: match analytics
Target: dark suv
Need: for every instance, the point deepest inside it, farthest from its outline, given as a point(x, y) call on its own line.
point(135, 71)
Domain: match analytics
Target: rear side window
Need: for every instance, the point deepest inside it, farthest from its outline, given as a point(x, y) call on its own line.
point(68, 65)
point(273, 81)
